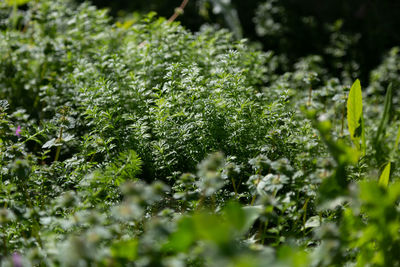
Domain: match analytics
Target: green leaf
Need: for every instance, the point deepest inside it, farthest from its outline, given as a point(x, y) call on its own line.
point(51, 143)
point(313, 222)
point(184, 237)
point(384, 179)
point(125, 249)
point(17, 2)
point(386, 113)
point(252, 213)
point(396, 145)
point(241, 218)
point(354, 114)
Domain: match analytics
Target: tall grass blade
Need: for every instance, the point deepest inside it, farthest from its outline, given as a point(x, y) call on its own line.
point(397, 139)
point(386, 114)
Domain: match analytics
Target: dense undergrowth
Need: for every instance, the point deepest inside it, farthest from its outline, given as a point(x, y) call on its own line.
point(149, 145)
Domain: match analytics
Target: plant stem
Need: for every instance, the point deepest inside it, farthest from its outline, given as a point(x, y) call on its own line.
point(31, 137)
point(5, 245)
point(14, 14)
point(178, 11)
point(343, 114)
point(200, 203)
point(36, 226)
point(257, 182)
point(305, 214)
point(252, 200)
point(264, 231)
point(59, 147)
point(234, 187)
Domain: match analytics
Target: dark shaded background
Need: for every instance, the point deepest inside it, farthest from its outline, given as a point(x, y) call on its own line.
point(376, 21)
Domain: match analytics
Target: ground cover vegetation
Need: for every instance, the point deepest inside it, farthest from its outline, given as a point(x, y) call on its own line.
point(145, 144)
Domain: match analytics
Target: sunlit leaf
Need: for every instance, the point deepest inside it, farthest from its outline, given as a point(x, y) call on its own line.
point(242, 218)
point(184, 237)
point(125, 249)
point(313, 222)
point(354, 114)
point(384, 178)
point(17, 2)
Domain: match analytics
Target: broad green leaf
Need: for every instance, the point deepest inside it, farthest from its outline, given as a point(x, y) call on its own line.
point(184, 236)
point(384, 179)
point(17, 2)
point(252, 213)
point(242, 218)
point(125, 249)
point(354, 114)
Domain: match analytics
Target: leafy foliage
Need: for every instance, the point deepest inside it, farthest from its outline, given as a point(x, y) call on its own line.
point(143, 144)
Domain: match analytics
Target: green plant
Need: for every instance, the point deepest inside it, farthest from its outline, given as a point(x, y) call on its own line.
point(144, 144)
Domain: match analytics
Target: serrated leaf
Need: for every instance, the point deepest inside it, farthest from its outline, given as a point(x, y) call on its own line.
point(384, 178)
point(51, 143)
point(313, 222)
point(67, 137)
point(354, 114)
point(4, 105)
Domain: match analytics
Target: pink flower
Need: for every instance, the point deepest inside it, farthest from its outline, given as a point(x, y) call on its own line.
point(18, 131)
point(17, 260)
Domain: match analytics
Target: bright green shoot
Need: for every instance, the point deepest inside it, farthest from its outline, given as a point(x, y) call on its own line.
point(17, 2)
point(355, 118)
point(384, 178)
